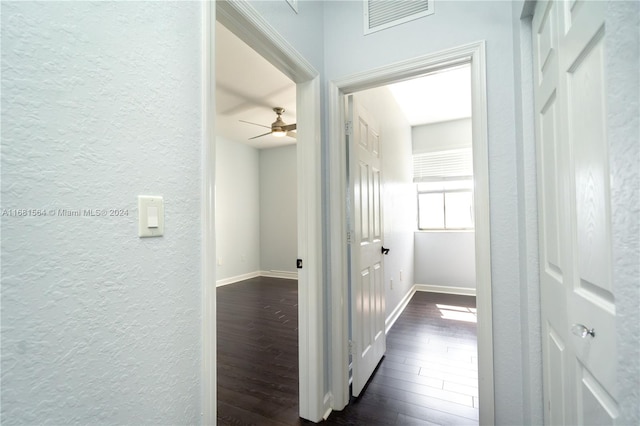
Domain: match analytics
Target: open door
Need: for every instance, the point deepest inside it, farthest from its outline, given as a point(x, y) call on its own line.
point(368, 340)
point(577, 296)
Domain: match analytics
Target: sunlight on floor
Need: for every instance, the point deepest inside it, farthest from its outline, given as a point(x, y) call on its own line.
point(458, 313)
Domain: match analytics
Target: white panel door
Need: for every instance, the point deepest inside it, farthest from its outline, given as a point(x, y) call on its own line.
point(367, 284)
point(577, 297)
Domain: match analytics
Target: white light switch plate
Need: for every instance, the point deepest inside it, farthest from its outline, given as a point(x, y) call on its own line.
point(150, 216)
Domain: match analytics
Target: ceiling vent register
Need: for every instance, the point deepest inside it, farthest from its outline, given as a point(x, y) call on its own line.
point(381, 14)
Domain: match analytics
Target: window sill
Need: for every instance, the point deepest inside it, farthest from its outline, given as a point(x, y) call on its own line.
point(440, 231)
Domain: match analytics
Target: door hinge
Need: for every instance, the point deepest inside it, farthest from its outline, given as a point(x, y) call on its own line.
point(348, 237)
point(351, 345)
point(348, 128)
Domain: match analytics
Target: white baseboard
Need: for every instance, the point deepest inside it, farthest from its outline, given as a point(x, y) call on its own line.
point(280, 274)
point(271, 274)
point(462, 291)
point(391, 319)
point(242, 277)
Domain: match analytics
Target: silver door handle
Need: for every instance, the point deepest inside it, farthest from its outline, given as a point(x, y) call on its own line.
point(582, 331)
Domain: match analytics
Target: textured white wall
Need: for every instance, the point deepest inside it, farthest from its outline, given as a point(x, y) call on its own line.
point(278, 209)
point(623, 120)
point(100, 103)
point(445, 259)
point(457, 23)
point(399, 197)
point(442, 136)
point(237, 209)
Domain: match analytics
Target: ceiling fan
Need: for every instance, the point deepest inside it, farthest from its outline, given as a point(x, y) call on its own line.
point(278, 128)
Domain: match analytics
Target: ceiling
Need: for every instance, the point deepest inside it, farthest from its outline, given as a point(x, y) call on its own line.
point(441, 96)
point(248, 87)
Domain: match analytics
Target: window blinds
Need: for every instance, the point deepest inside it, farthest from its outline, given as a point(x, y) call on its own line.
point(442, 165)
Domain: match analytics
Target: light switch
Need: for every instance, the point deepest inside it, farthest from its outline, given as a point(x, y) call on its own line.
point(150, 216)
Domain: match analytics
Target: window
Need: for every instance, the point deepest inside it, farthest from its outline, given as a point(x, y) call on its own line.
point(446, 204)
point(444, 180)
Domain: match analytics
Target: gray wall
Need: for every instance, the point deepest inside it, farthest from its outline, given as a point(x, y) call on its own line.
point(442, 136)
point(278, 209)
point(256, 209)
point(399, 199)
point(101, 102)
point(445, 259)
point(237, 209)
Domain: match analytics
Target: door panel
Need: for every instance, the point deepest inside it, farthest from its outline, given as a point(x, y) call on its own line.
point(549, 155)
point(595, 406)
point(363, 207)
point(368, 308)
point(557, 372)
point(577, 297)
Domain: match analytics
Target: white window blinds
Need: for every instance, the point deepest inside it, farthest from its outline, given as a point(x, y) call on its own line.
point(442, 165)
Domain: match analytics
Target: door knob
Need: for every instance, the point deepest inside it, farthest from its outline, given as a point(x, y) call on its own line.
point(384, 250)
point(582, 331)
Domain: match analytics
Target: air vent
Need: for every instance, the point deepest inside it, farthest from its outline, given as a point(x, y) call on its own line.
point(381, 14)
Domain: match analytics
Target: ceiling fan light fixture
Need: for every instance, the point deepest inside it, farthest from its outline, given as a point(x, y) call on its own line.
point(278, 128)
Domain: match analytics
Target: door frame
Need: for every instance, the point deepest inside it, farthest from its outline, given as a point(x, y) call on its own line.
point(475, 55)
point(246, 23)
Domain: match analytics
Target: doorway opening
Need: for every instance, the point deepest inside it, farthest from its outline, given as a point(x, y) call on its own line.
point(248, 25)
point(256, 236)
point(414, 202)
point(473, 56)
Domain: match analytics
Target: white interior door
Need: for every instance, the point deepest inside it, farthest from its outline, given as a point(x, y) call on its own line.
point(367, 283)
point(577, 297)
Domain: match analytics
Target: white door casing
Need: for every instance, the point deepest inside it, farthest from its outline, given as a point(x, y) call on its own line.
point(367, 277)
point(577, 296)
point(473, 53)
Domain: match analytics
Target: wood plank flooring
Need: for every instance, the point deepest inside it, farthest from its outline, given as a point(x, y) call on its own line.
point(257, 369)
point(428, 375)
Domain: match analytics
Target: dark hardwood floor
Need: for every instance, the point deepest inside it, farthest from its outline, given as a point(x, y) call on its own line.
point(428, 375)
point(257, 368)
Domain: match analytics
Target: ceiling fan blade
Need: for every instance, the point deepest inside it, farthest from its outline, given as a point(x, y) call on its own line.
point(255, 124)
point(259, 136)
point(291, 134)
point(289, 127)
